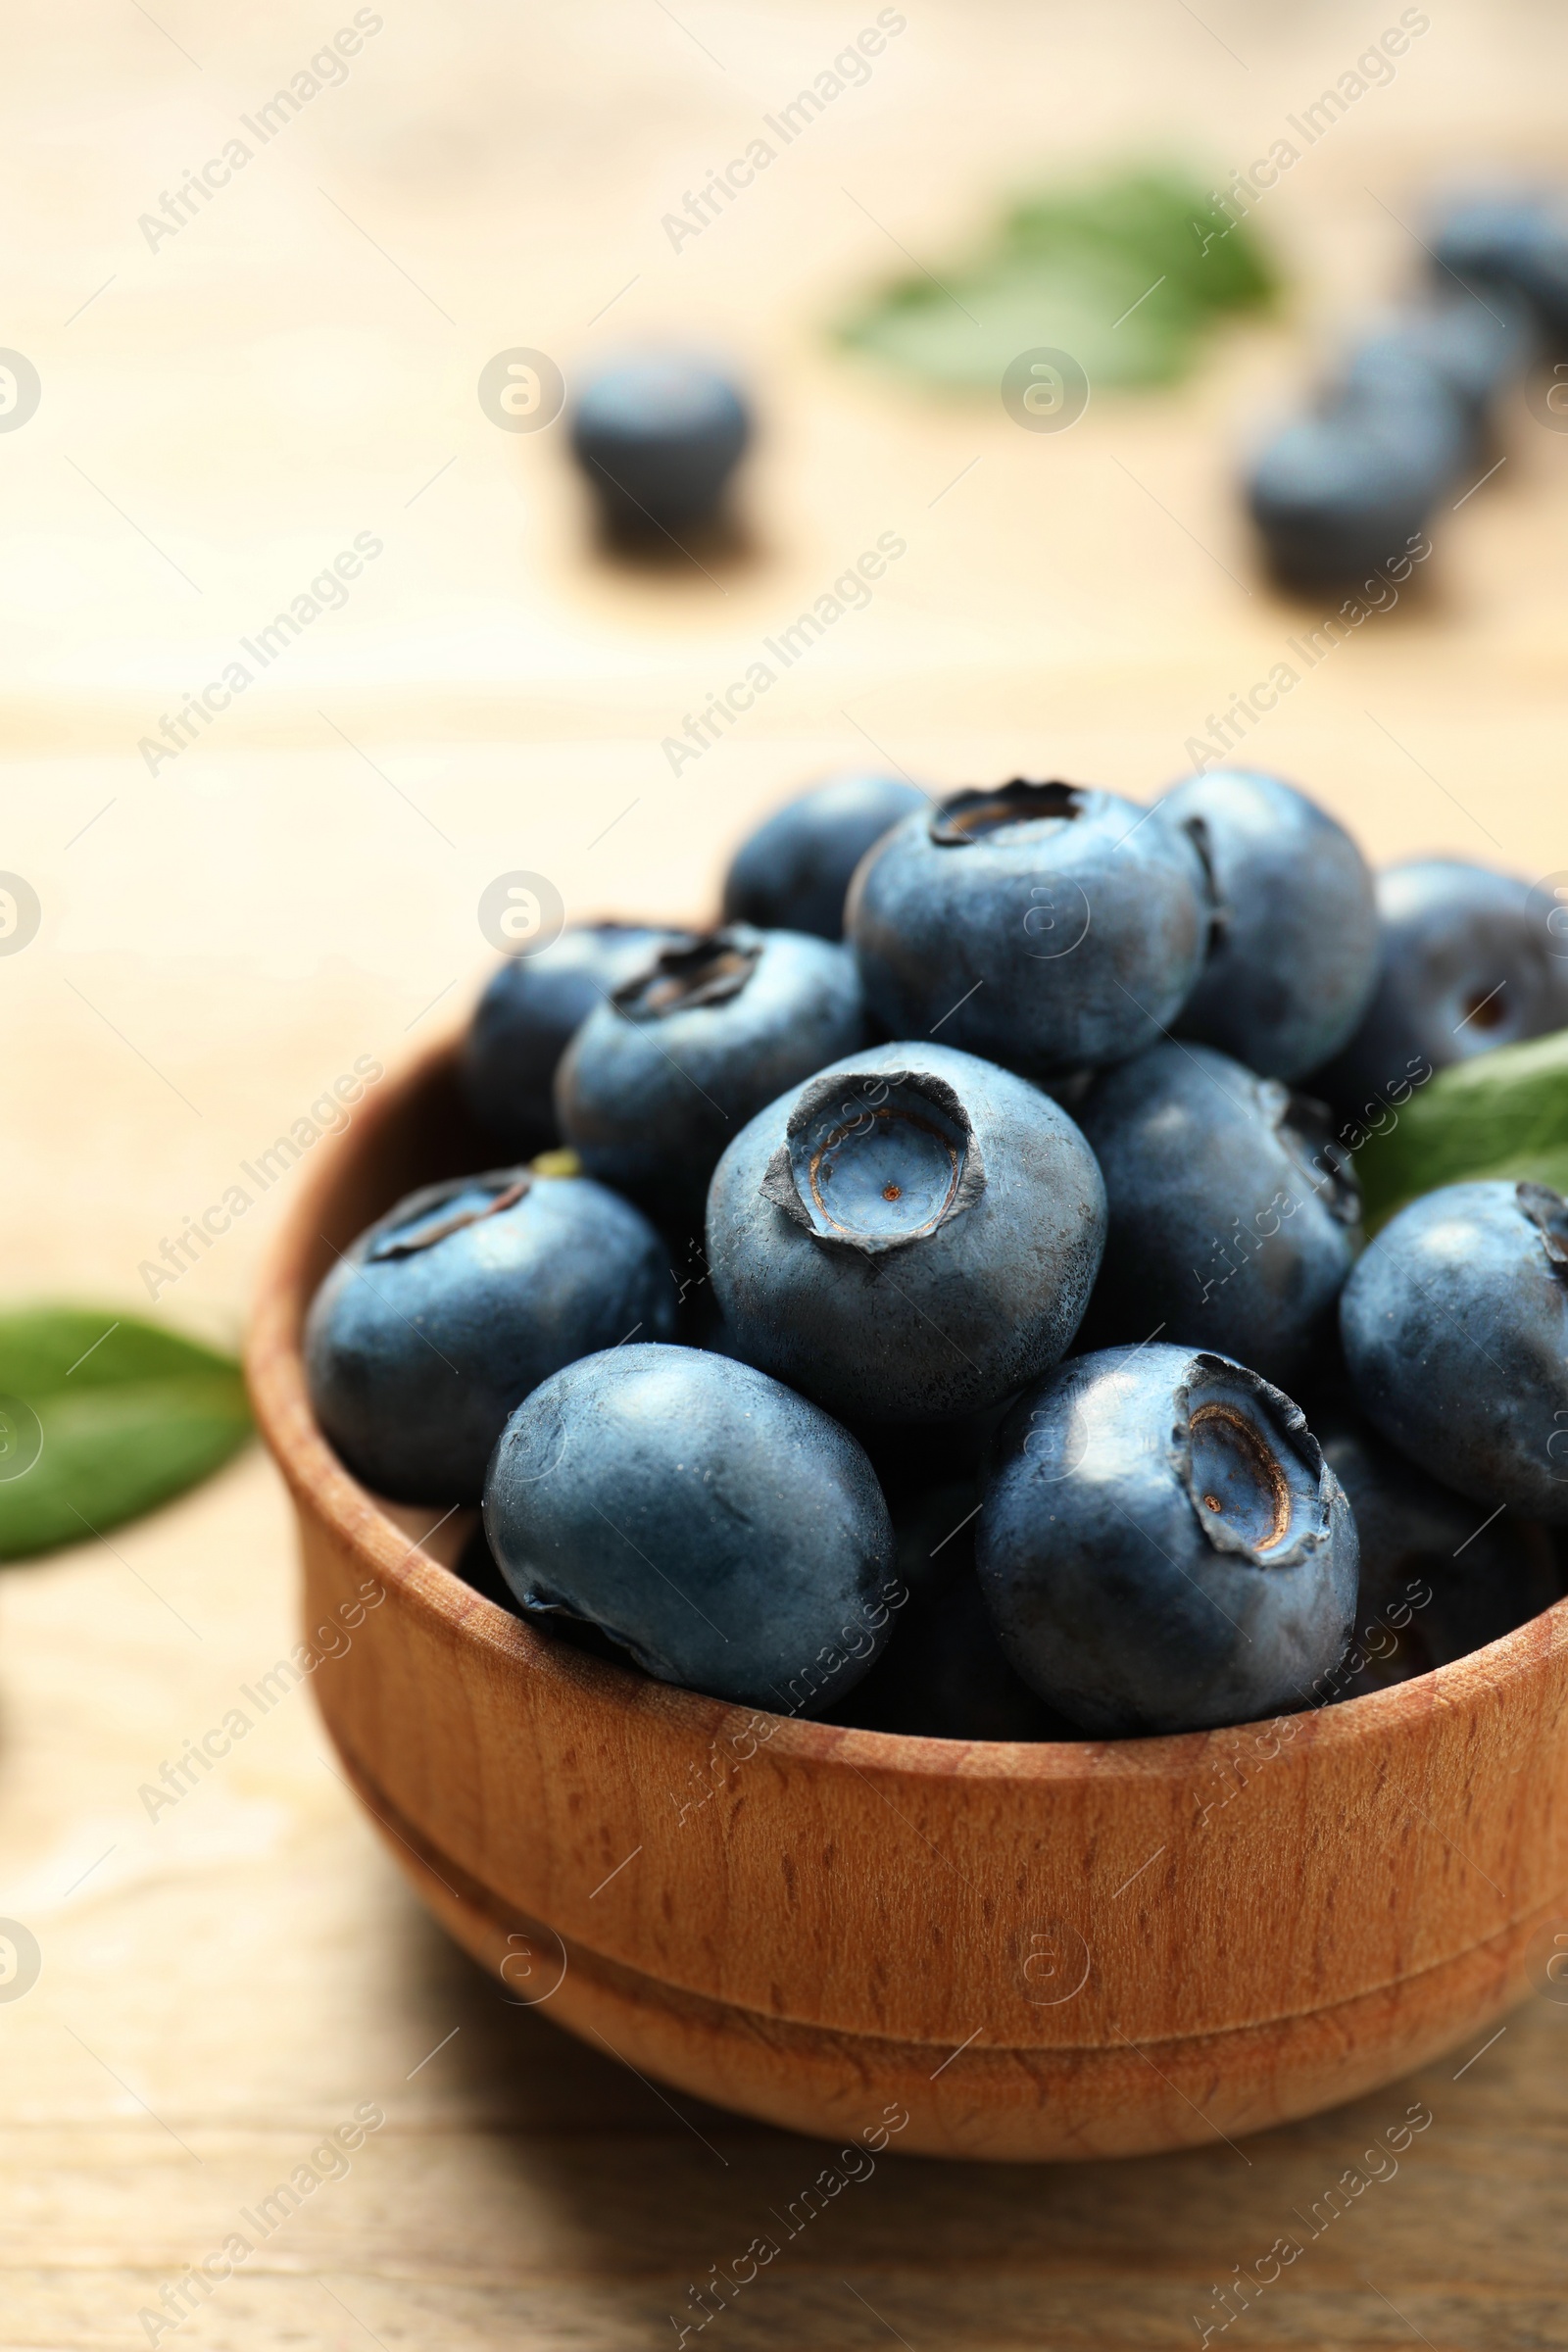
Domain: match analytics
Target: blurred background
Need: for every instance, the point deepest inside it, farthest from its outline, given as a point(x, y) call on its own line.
point(289, 366)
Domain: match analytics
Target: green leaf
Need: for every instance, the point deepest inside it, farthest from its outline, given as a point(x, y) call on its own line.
point(103, 1418)
point(1161, 220)
point(1017, 303)
point(1500, 1114)
point(1126, 274)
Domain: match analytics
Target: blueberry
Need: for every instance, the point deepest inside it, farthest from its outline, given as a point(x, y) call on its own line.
point(1513, 239)
point(1337, 497)
point(441, 1318)
point(1475, 349)
point(912, 1236)
point(658, 1080)
point(1233, 1215)
point(1164, 1548)
point(659, 437)
point(1047, 926)
point(1465, 963)
point(792, 874)
point(1454, 1326)
point(1293, 957)
point(526, 1017)
point(477, 1566)
point(1434, 1585)
point(725, 1532)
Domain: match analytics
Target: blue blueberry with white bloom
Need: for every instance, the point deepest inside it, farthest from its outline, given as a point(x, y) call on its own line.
point(1164, 1548)
point(909, 1237)
point(437, 1322)
point(792, 874)
point(525, 1019)
point(1293, 954)
point(1455, 1327)
point(1467, 959)
point(724, 1533)
point(1234, 1214)
point(1049, 927)
point(663, 1074)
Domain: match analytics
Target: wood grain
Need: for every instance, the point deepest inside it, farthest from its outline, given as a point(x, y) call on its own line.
point(1037, 1951)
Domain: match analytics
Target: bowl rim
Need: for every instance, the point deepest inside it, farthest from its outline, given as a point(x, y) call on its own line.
point(320, 1481)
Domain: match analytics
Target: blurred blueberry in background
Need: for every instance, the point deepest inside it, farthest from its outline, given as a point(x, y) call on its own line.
point(1508, 240)
point(1338, 496)
point(658, 436)
point(1474, 347)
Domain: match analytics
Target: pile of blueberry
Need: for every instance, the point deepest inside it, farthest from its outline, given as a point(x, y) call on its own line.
point(1407, 418)
point(895, 1300)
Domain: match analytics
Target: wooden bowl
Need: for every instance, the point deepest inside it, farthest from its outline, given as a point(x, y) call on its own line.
point(1028, 1951)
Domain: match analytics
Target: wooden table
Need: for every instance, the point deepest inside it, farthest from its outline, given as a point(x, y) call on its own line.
point(225, 1983)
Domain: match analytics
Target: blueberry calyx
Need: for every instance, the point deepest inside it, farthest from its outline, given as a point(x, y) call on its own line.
point(874, 1163)
point(1253, 1468)
point(418, 1228)
point(1006, 807)
point(1548, 1211)
point(709, 970)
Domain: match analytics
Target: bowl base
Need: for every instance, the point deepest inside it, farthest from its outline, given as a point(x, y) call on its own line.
point(998, 2105)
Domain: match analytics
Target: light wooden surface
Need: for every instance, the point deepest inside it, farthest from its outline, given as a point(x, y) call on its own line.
point(222, 1986)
